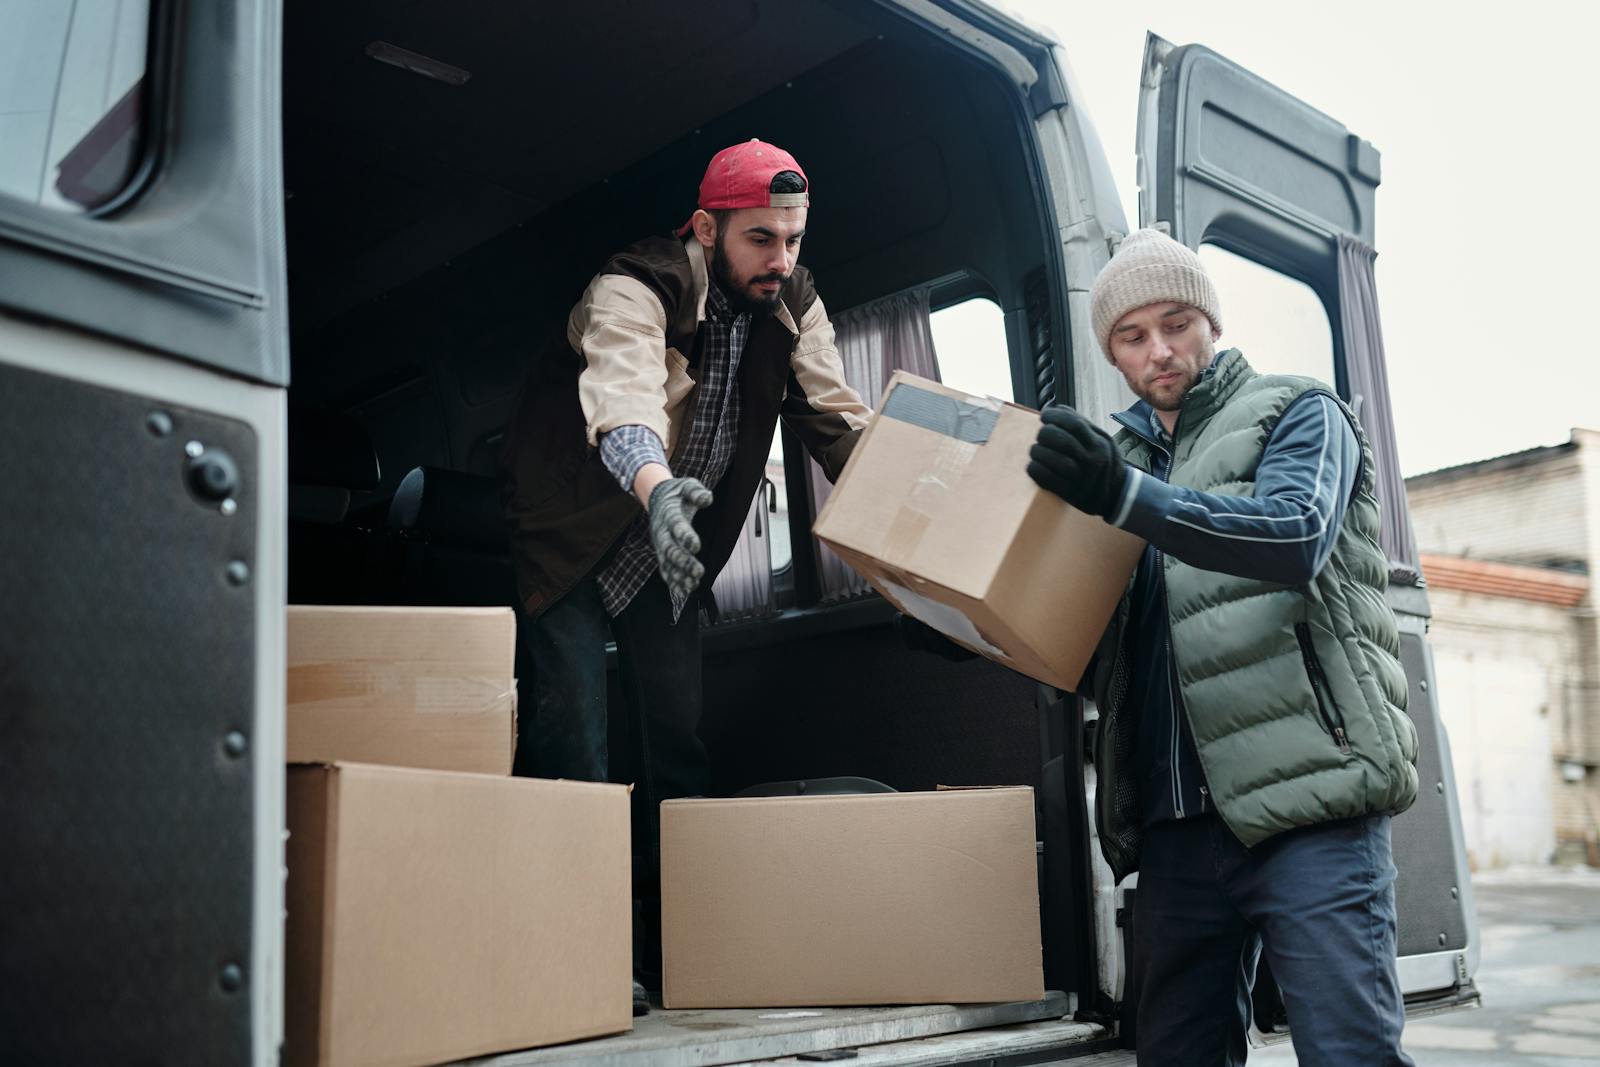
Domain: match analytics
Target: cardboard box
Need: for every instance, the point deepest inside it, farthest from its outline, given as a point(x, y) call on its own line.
point(889, 898)
point(937, 511)
point(434, 916)
point(409, 687)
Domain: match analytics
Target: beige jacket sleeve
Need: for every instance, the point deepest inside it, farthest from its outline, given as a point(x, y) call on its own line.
point(620, 328)
point(821, 407)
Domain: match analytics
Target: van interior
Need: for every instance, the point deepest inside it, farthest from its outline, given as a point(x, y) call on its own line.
point(445, 214)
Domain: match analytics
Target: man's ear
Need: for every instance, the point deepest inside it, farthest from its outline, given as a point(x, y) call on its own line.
point(704, 228)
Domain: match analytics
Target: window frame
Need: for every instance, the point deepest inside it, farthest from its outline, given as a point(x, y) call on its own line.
point(151, 130)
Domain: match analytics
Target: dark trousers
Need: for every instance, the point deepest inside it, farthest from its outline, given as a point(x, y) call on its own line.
point(1317, 902)
point(566, 734)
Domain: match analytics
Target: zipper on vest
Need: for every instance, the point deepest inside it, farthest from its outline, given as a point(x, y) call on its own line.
point(1319, 681)
point(1172, 671)
point(1172, 710)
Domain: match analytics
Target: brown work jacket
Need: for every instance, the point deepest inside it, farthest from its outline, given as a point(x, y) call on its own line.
point(629, 355)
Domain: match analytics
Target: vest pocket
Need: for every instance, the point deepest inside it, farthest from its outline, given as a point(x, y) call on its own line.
point(1326, 708)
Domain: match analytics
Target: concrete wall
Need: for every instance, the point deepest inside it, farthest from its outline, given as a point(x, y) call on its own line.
point(1535, 514)
point(1500, 665)
point(1519, 680)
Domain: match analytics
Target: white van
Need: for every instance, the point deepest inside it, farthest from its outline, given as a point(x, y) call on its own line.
point(261, 262)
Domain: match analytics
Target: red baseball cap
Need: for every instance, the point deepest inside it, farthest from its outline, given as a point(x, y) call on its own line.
point(741, 176)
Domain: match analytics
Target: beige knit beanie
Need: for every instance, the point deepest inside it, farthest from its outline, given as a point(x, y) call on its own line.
point(1150, 268)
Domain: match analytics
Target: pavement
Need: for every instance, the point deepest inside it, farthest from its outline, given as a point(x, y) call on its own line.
point(1539, 975)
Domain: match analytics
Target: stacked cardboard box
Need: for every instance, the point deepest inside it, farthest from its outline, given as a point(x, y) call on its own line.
point(438, 908)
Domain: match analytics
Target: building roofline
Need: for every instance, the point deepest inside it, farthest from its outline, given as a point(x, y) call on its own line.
point(1510, 461)
point(1515, 580)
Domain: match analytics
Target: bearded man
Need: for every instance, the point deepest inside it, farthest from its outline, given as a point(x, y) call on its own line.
point(631, 462)
point(1254, 741)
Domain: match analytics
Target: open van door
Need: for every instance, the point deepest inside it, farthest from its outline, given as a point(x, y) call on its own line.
point(143, 359)
point(1230, 160)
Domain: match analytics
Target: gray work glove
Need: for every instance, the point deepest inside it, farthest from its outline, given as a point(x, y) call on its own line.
point(673, 504)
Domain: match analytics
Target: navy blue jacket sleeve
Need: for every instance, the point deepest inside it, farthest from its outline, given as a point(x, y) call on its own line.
point(1285, 531)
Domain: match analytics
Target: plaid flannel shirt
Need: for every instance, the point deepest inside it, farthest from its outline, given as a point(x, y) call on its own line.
point(705, 453)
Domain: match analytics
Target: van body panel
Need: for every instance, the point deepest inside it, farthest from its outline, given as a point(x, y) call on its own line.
point(438, 231)
point(143, 708)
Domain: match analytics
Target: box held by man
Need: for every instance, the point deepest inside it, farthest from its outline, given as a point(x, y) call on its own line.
point(937, 511)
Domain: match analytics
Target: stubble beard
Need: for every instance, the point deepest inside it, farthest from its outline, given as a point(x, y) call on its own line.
point(742, 297)
point(1171, 397)
point(1168, 398)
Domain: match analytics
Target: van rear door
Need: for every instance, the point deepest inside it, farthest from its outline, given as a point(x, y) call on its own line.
point(1230, 160)
point(143, 359)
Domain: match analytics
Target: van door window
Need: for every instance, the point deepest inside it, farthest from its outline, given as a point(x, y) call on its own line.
point(1276, 321)
point(970, 339)
point(72, 99)
point(778, 498)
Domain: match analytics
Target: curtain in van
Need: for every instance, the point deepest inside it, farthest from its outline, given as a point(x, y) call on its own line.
point(1367, 369)
point(743, 590)
point(874, 341)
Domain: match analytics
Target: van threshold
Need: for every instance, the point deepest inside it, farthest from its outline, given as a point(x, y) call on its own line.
point(706, 1038)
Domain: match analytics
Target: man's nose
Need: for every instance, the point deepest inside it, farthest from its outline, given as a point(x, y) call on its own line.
point(782, 261)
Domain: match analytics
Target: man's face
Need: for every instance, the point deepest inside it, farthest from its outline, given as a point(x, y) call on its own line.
point(1162, 349)
point(754, 253)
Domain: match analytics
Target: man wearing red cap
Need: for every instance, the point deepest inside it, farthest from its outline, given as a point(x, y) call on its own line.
point(634, 454)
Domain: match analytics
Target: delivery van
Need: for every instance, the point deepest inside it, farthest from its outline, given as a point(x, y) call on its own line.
point(271, 276)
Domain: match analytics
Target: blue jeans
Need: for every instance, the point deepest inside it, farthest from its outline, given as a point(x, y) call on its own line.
point(1317, 901)
point(659, 666)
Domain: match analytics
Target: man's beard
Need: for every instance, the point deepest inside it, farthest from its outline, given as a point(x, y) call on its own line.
point(740, 296)
point(1170, 400)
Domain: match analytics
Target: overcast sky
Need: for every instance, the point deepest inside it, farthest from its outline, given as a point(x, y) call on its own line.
point(1485, 118)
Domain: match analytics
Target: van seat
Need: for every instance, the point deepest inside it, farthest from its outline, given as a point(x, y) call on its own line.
point(331, 456)
point(455, 550)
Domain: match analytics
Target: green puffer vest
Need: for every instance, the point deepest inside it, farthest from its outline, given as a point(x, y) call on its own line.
point(1294, 693)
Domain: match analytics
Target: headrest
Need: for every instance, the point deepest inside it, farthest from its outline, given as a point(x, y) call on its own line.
point(449, 507)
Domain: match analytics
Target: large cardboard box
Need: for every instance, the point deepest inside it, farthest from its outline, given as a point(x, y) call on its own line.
point(434, 916)
point(410, 687)
point(892, 898)
point(937, 511)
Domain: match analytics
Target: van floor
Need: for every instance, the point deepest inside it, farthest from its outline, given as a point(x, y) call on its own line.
point(922, 1034)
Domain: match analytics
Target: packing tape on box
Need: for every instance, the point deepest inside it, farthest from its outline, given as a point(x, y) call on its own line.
point(948, 620)
point(335, 682)
point(969, 420)
point(914, 517)
point(965, 425)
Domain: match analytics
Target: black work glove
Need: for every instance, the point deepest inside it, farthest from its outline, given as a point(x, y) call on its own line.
point(920, 637)
point(1077, 461)
point(673, 504)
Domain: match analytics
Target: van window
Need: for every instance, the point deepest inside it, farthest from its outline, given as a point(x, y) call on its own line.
point(72, 99)
point(1276, 321)
point(782, 550)
point(969, 340)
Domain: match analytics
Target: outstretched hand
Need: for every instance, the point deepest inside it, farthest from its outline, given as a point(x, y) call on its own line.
point(673, 505)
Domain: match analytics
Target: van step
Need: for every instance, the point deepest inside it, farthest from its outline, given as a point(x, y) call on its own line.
point(699, 1038)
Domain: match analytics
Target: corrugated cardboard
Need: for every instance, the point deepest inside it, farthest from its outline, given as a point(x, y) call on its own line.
point(434, 916)
point(409, 687)
point(937, 511)
point(892, 898)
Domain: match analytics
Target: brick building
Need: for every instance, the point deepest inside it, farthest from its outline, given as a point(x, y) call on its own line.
point(1509, 548)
